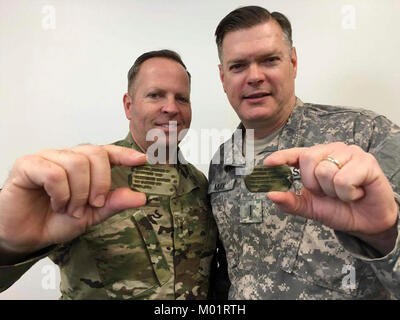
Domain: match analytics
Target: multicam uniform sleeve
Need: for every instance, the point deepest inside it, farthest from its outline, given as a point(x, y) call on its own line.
point(9, 274)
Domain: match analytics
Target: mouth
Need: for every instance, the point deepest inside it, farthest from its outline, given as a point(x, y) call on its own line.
point(256, 96)
point(167, 126)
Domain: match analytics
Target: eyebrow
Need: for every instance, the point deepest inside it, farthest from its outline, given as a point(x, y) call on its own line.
point(163, 91)
point(259, 57)
point(155, 89)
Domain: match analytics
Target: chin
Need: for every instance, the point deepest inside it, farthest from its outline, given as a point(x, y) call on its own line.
point(258, 116)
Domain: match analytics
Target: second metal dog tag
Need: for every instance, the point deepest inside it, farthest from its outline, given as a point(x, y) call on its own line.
point(266, 179)
point(154, 179)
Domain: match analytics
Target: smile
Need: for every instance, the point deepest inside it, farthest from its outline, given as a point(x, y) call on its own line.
point(170, 126)
point(257, 95)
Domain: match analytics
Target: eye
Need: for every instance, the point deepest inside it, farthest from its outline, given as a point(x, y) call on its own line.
point(153, 95)
point(182, 99)
point(271, 60)
point(237, 67)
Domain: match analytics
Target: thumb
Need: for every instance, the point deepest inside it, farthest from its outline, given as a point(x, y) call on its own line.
point(118, 200)
point(291, 203)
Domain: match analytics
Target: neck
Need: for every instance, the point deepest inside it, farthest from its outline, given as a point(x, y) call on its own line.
point(267, 127)
point(160, 154)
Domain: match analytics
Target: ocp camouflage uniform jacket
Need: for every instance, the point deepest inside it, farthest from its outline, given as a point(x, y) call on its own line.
point(162, 250)
point(275, 255)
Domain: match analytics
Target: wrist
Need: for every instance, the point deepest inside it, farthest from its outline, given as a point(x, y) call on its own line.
point(384, 241)
point(10, 256)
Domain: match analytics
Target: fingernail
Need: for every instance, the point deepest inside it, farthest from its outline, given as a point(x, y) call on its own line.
point(99, 201)
point(140, 156)
point(78, 213)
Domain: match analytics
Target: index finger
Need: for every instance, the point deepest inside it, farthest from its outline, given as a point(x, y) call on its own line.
point(289, 156)
point(122, 156)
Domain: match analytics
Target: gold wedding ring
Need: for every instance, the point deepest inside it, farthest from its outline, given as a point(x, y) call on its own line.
point(334, 161)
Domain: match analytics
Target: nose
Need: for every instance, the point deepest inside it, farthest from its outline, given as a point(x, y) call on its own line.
point(255, 76)
point(170, 106)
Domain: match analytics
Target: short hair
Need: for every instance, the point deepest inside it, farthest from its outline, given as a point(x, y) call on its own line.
point(164, 53)
point(247, 17)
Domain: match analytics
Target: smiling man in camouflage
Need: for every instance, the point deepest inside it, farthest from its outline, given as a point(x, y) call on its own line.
point(78, 205)
point(337, 238)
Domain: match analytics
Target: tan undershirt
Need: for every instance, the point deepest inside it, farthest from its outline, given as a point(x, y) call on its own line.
point(261, 144)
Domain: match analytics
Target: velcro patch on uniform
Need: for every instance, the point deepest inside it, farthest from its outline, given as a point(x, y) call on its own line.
point(251, 211)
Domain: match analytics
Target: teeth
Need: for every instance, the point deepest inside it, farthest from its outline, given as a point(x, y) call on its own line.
point(257, 95)
point(169, 125)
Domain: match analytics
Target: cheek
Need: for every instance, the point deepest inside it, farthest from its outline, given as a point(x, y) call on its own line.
point(234, 89)
point(280, 79)
point(187, 116)
point(274, 76)
point(145, 113)
point(135, 109)
point(137, 117)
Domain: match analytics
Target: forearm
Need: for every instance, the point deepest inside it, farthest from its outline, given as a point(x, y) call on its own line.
point(7, 257)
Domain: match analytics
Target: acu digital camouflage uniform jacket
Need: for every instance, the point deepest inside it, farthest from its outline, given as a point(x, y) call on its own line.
point(162, 250)
point(274, 255)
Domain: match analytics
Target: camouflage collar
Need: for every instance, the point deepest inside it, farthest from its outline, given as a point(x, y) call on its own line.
point(187, 182)
point(286, 139)
point(234, 157)
point(132, 143)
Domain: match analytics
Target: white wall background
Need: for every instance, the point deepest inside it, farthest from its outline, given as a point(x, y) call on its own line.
point(63, 68)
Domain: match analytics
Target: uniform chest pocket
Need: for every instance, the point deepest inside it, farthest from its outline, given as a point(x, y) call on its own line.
point(127, 256)
point(195, 241)
point(322, 261)
point(224, 199)
point(195, 231)
point(193, 226)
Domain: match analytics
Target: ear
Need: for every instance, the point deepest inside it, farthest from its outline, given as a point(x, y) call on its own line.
point(293, 60)
point(127, 105)
point(221, 75)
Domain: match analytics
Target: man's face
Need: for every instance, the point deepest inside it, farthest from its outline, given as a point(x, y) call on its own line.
point(159, 94)
point(258, 72)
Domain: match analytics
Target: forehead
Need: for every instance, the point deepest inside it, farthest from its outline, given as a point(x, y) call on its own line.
point(162, 73)
point(263, 38)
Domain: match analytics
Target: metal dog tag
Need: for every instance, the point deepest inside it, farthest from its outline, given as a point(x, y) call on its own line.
point(154, 179)
point(266, 179)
